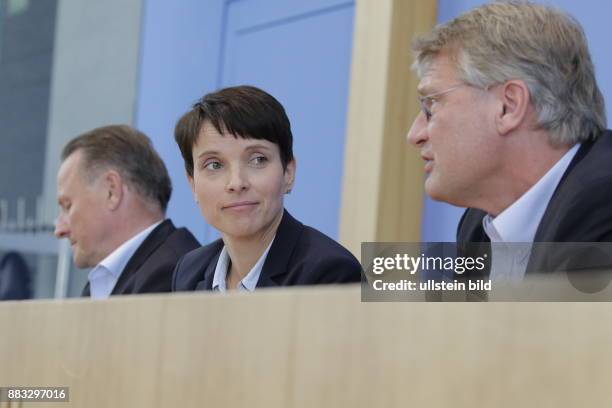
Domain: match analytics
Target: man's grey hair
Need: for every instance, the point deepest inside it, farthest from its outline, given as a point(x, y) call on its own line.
point(129, 152)
point(543, 46)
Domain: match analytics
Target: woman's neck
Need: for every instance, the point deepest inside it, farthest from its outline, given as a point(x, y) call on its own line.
point(244, 252)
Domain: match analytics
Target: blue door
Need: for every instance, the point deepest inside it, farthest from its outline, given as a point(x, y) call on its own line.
point(298, 51)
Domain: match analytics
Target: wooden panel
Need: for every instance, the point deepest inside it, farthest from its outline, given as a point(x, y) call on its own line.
point(307, 348)
point(383, 177)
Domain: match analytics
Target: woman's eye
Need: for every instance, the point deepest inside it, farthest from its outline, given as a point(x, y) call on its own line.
point(212, 165)
point(259, 160)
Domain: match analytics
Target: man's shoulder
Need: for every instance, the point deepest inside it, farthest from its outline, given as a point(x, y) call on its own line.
point(150, 267)
point(592, 163)
point(588, 180)
point(580, 209)
point(182, 240)
point(178, 240)
point(581, 200)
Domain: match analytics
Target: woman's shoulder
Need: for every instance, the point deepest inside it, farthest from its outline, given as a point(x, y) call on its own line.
point(326, 259)
point(204, 253)
point(190, 268)
point(322, 243)
point(310, 240)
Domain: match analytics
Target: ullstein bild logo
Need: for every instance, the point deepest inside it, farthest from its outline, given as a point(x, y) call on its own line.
point(431, 285)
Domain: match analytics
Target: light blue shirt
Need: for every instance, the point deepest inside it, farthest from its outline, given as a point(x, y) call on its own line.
point(104, 277)
point(519, 223)
point(248, 283)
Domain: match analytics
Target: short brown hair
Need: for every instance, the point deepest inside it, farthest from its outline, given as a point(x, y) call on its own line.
point(131, 153)
point(243, 111)
point(543, 46)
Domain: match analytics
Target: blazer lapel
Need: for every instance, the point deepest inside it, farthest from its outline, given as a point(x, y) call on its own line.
point(86, 292)
point(277, 261)
point(149, 245)
point(547, 230)
point(470, 227)
point(544, 233)
point(209, 273)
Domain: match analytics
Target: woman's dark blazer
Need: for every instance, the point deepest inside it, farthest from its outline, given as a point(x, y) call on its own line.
point(299, 255)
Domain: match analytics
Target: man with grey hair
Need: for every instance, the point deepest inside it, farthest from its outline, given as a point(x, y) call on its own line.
point(113, 190)
point(512, 125)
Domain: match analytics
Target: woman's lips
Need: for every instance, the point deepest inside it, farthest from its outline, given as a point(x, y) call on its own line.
point(240, 205)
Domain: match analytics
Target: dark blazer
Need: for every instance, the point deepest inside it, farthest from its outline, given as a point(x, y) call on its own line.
point(149, 270)
point(580, 210)
point(299, 255)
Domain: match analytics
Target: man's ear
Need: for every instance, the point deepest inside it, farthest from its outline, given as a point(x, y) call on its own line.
point(112, 184)
point(290, 175)
point(515, 104)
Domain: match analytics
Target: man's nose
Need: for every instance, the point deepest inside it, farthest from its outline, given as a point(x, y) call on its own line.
point(417, 135)
point(61, 228)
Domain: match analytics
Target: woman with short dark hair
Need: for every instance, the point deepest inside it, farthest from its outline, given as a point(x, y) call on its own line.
point(237, 148)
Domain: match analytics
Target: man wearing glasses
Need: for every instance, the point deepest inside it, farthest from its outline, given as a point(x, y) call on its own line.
point(512, 126)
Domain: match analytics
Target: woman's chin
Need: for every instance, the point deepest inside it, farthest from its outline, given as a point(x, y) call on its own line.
point(239, 230)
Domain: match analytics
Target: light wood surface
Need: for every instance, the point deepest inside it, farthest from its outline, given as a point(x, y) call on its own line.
point(383, 176)
point(307, 348)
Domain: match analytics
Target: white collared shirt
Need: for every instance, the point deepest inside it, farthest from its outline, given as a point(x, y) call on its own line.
point(104, 277)
point(519, 223)
point(248, 283)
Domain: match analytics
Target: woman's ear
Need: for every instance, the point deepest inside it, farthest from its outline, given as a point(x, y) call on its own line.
point(192, 185)
point(290, 175)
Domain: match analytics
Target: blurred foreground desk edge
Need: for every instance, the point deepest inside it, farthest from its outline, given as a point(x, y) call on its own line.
point(310, 347)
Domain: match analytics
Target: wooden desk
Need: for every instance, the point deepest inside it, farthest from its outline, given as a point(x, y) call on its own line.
point(313, 347)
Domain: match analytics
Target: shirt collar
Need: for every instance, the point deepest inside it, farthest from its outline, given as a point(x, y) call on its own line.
point(519, 222)
point(248, 283)
point(116, 261)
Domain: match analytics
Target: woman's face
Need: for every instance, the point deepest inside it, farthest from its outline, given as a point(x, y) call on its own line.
point(238, 183)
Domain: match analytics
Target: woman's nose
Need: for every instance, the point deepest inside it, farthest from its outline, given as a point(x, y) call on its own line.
point(237, 179)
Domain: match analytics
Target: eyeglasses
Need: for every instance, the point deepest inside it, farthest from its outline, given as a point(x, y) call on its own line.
point(427, 101)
